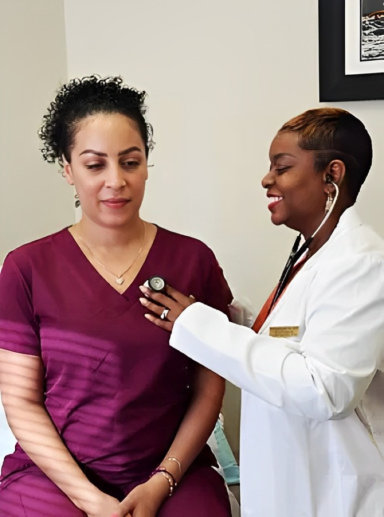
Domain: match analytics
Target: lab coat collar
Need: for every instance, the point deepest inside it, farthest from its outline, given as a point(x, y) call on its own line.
point(349, 219)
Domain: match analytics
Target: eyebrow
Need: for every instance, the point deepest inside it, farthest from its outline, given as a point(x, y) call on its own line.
point(282, 155)
point(121, 153)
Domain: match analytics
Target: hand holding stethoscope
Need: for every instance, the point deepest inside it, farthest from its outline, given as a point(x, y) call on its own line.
point(165, 303)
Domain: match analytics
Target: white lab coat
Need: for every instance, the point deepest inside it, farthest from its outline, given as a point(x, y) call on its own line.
point(312, 425)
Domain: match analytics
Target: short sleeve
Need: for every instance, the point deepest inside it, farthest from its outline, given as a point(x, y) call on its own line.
point(217, 293)
point(19, 330)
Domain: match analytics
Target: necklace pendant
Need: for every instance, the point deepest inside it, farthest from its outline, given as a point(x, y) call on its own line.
point(119, 280)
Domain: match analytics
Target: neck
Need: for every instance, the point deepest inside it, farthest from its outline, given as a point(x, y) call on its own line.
point(105, 237)
point(324, 233)
point(117, 256)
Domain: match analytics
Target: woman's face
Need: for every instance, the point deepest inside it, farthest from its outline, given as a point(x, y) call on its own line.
point(108, 168)
point(295, 190)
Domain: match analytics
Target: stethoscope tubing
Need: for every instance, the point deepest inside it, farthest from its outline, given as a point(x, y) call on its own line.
point(297, 252)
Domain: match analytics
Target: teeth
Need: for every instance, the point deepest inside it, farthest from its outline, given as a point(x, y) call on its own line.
point(274, 199)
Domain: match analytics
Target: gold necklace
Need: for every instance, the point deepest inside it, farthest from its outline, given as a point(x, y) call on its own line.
point(119, 279)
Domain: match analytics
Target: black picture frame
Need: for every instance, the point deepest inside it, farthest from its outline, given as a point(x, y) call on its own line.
point(334, 85)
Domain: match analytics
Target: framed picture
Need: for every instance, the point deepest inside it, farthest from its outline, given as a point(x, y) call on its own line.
point(351, 50)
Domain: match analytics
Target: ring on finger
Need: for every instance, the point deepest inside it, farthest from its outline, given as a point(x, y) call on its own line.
point(164, 314)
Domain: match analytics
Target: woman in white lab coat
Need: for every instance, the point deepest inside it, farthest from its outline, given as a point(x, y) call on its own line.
point(311, 369)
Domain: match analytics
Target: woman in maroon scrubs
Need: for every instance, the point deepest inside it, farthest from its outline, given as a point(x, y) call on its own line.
point(109, 419)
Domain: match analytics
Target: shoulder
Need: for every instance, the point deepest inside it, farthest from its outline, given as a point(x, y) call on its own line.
point(352, 242)
point(192, 265)
point(185, 243)
point(24, 256)
point(353, 265)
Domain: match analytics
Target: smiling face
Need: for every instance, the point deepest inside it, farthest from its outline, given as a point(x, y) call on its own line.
point(296, 191)
point(108, 168)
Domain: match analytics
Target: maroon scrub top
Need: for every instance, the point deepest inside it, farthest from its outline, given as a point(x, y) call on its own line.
point(114, 388)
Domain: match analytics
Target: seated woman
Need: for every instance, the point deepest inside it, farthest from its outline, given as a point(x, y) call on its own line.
point(311, 369)
point(109, 419)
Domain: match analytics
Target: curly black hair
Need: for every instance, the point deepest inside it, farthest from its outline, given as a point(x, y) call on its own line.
point(80, 98)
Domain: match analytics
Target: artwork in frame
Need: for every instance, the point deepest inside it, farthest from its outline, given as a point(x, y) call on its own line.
point(351, 50)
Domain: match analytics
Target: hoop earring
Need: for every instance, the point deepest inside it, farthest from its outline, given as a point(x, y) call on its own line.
point(77, 200)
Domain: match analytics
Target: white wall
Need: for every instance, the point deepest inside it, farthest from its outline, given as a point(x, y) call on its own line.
point(222, 76)
point(33, 198)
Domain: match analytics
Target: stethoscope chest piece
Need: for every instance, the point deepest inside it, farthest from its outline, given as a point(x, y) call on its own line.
point(156, 283)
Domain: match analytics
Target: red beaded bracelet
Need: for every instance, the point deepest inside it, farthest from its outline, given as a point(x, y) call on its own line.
point(168, 476)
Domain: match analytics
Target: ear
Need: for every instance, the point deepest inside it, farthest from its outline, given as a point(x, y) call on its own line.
point(334, 172)
point(67, 172)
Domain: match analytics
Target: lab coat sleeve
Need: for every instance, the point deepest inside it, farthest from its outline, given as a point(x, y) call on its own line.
point(341, 347)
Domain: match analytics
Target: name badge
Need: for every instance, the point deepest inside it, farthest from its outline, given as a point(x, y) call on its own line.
point(283, 331)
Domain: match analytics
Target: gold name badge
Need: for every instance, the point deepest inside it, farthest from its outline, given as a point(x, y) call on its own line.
point(283, 331)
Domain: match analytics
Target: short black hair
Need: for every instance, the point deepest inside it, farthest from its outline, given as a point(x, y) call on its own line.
point(86, 96)
point(334, 133)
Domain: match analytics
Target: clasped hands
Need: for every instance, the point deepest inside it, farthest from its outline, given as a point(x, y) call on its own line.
point(172, 300)
point(143, 501)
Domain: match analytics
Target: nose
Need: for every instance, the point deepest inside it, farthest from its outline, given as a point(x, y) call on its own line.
point(115, 177)
point(268, 179)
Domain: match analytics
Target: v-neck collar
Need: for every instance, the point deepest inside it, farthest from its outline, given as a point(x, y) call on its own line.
point(88, 267)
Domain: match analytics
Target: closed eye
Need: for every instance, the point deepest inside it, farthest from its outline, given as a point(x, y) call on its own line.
point(93, 166)
point(130, 164)
point(282, 169)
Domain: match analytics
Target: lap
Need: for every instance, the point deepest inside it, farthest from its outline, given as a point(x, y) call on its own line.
point(201, 492)
point(32, 494)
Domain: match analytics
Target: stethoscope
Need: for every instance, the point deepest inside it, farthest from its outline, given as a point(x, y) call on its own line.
point(297, 251)
point(156, 283)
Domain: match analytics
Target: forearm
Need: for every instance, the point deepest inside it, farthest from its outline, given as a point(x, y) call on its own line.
point(264, 366)
point(191, 436)
point(39, 438)
point(197, 423)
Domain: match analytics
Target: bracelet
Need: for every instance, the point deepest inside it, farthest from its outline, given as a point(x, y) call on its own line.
point(168, 476)
point(172, 458)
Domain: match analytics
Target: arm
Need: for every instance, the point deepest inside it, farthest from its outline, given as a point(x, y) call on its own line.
point(339, 352)
point(21, 386)
point(198, 422)
point(192, 435)
point(322, 377)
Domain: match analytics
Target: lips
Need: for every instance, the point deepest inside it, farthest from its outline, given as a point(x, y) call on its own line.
point(273, 200)
point(115, 202)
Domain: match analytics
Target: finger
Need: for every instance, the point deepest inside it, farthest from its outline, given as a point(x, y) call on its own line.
point(166, 325)
point(166, 301)
point(184, 300)
point(126, 508)
point(164, 313)
point(170, 310)
point(162, 299)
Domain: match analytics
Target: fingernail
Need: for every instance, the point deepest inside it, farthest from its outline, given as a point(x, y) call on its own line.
point(144, 301)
